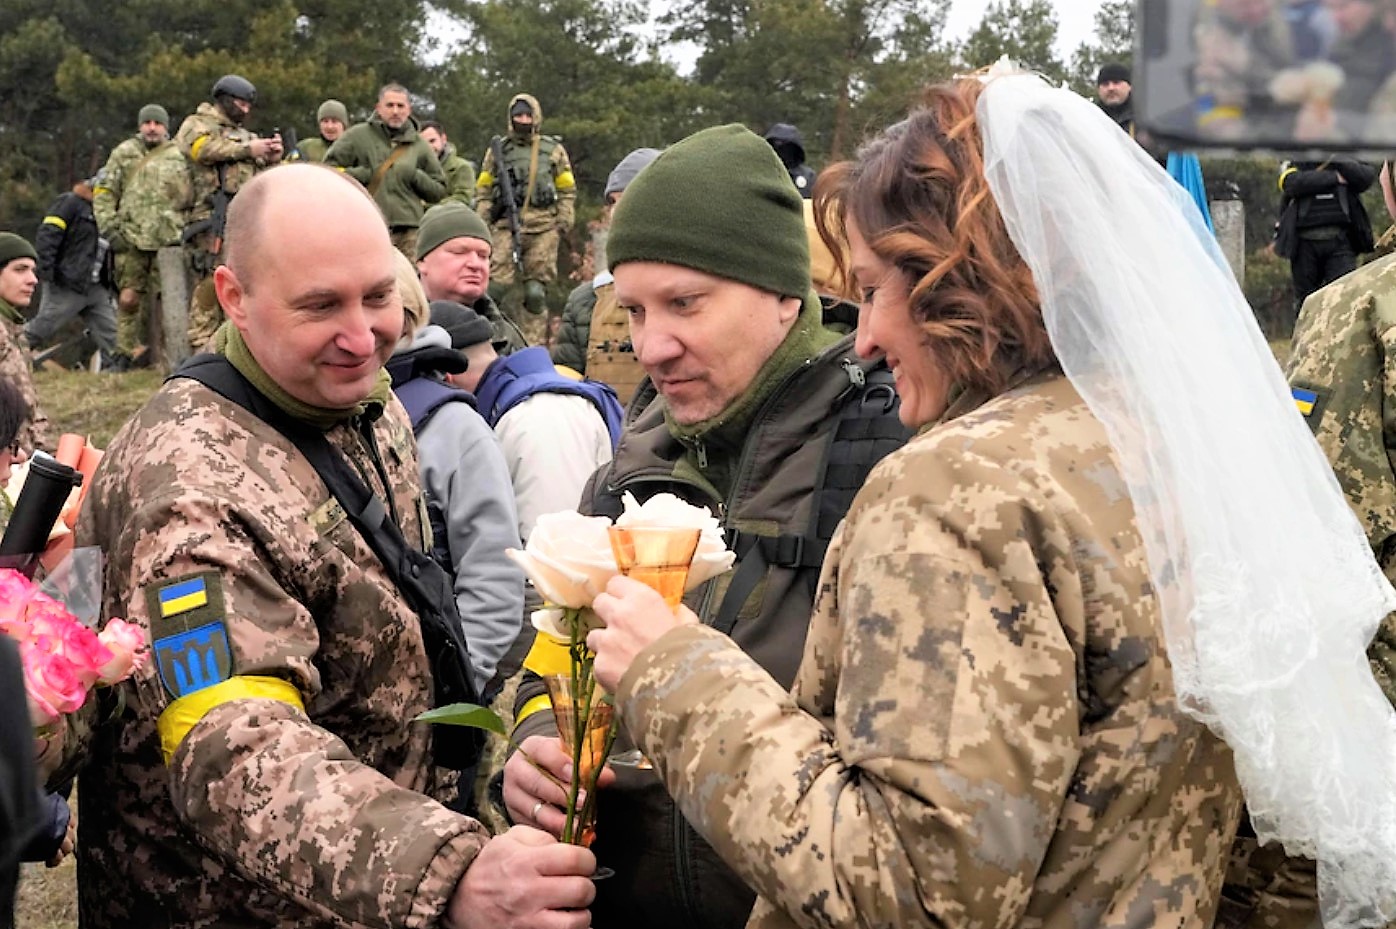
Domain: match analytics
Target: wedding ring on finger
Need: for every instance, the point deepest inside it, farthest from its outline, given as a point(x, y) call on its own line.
point(533, 814)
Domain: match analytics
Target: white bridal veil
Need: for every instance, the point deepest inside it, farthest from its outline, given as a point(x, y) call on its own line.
point(1268, 589)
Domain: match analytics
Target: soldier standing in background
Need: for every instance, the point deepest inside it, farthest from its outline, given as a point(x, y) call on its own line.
point(396, 165)
point(333, 118)
point(140, 200)
point(17, 282)
point(460, 173)
point(225, 155)
point(545, 194)
point(594, 339)
point(75, 267)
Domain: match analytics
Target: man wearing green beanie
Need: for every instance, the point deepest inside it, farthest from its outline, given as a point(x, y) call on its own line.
point(18, 278)
point(139, 201)
point(741, 413)
point(333, 118)
point(453, 261)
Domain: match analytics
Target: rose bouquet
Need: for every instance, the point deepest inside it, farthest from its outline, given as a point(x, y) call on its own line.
point(570, 559)
point(63, 659)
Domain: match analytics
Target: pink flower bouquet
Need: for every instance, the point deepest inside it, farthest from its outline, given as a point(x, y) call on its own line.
point(63, 659)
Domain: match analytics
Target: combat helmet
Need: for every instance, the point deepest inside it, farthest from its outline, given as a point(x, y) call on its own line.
point(236, 86)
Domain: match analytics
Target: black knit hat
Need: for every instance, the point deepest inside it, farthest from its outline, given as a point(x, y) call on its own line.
point(1113, 71)
point(465, 326)
point(13, 246)
point(719, 202)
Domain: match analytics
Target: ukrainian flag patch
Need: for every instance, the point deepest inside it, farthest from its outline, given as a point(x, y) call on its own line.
point(188, 632)
point(1304, 399)
point(183, 596)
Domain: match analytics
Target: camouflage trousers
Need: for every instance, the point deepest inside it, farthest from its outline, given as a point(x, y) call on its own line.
point(539, 255)
point(205, 314)
point(1267, 889)
point(138, 286)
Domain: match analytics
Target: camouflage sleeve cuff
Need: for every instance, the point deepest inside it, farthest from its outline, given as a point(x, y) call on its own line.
point(442, 875)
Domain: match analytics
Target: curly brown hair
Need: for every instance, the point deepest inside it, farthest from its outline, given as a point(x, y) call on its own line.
point(918, 195)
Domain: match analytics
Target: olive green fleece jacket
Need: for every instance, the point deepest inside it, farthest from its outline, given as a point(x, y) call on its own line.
point(413, 180)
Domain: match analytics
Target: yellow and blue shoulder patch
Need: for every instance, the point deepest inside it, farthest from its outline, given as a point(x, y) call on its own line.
point(1304, 399)
point(189, 632)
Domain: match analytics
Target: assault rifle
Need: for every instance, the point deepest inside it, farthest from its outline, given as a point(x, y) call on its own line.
point(214, 224)
point(511, 205)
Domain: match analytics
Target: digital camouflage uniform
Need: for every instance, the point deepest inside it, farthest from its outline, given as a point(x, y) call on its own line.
point(141, 199)
point(17, 367)
point(547, 194)
point(296, 790)
point(460, 176)
point(1342, 370)
point(209, 138)
point(983, 731)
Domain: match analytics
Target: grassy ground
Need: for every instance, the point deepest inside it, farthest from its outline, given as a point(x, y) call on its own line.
point(94, 405)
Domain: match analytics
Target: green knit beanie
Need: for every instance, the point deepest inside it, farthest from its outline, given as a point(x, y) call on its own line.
point(153, 111)
point(333, 109)
point(447, 221)
point(13, 246)
point(719, 202)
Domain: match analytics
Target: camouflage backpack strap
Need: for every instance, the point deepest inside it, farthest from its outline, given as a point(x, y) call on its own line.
point(868, 430)
point(424, 585)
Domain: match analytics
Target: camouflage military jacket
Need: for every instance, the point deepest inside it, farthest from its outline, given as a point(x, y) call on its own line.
point(142, 194)
point(208, 138)
point(550, 200)
point(1342, 371)
point(983, 731)
point(291, 789)
point(18, 368)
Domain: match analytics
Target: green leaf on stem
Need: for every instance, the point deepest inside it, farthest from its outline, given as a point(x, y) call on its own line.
point(465, 714)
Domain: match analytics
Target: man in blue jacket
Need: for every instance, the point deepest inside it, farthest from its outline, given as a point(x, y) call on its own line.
point(555, 430)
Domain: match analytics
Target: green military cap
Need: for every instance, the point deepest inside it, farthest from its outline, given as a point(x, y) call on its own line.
point(153, 111)
point(333, 109)
point(13, 246)
point(719, 202)
point(447, 221)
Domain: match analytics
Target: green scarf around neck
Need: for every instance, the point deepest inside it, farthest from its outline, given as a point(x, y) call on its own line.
point(723, 435)
point(227, 341)
point(9, 314)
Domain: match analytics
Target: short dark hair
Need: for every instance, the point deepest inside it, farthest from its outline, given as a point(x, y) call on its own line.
point(433, 124)
point(14, 412)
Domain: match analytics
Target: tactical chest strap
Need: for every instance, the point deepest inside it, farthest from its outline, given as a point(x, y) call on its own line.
point(425, 586)
point(867, 431)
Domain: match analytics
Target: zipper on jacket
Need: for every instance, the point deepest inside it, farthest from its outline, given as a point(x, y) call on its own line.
point(701, 451)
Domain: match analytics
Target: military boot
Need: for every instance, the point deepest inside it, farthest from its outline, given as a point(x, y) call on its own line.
point(535, 297)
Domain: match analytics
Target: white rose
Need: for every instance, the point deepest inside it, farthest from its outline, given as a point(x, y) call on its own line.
point(568, 558)
point(667, 511)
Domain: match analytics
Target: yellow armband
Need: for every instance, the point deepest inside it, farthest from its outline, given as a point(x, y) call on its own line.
point(183, 714)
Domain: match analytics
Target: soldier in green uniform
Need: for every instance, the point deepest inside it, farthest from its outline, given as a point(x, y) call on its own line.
point(1342, 374)
point(396, 165)
point(18, 278)
point(140, 199)
point(225, 155)
point(333, 118)
point(545, 193)
point(460, 173)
